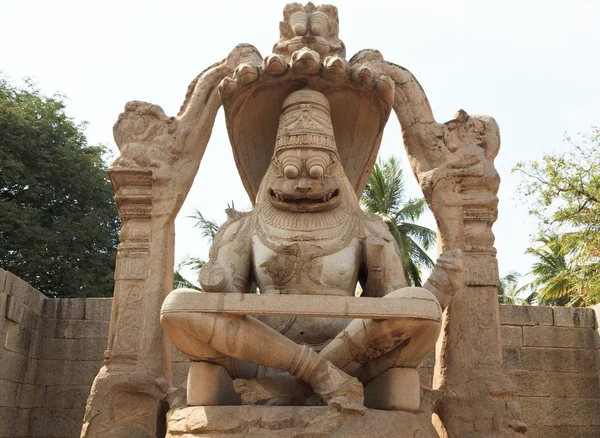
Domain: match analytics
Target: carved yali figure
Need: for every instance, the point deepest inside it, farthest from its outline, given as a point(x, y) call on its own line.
point(307, 235)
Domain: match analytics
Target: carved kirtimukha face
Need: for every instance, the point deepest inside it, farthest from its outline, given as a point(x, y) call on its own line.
point(305, 180)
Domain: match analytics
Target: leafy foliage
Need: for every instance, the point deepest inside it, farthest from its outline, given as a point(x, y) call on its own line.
point(209, 229)
point(384, 196)
point(508, 290)
point(564, 191)
point(58, 221)
point(555, 283)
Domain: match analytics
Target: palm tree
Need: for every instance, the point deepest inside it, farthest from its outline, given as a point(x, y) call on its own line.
point(208, 229)
point(555, 284)
point(508, 290)
point(384, 196)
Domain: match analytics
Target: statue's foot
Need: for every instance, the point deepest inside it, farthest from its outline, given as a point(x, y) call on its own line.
point(278, 390)
point(336, 388)
point(347, 398)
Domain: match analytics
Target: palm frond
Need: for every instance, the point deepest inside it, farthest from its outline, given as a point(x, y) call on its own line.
point(384, 196)
point(208, 227)
point(180, 282)
point(424, 236)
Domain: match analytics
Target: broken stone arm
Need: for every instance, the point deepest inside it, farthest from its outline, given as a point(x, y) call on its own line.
point(229, 266)
point(386, 273)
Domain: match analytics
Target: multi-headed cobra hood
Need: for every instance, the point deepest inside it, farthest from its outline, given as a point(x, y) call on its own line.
point(358, 96)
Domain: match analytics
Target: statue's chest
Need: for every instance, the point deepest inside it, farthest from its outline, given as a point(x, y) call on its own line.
point(306, 268)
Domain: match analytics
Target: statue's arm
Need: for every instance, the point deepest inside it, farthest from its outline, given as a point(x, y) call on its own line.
point(447, 277)
point(383, 271)
point(382, 266)
point(229, 267)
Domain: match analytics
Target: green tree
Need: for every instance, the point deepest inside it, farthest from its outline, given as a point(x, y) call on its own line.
point(208, 230)
point(564, 191)
point(554, 283)
point(385, 196)
point(58, 221)
point(509, 290)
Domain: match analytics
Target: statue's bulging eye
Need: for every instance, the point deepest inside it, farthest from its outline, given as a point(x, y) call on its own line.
point(316, 171)
point(290, 171)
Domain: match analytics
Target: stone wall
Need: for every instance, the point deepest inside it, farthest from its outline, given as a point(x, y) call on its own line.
point(73, 340)
point(551, 355)
point(21, 309)
point(52, 350)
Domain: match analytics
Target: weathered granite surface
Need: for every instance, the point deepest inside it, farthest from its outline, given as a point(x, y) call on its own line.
point(294, 421)
point(558, 387)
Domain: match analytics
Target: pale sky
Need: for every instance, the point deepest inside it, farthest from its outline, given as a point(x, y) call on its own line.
point(532, 65)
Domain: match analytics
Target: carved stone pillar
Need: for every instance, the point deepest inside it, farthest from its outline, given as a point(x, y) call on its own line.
point(159, 159)
point(479, 400)
point(129, 394)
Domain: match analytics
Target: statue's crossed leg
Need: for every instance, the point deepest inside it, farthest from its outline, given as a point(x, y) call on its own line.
point(359, 353)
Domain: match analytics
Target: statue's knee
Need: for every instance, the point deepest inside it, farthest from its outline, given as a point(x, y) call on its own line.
point(411, 292)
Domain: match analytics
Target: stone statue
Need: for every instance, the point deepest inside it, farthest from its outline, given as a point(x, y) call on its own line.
point(305, 125)
point(308, 236)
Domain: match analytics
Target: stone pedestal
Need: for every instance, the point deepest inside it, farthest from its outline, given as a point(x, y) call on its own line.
point(294, 421)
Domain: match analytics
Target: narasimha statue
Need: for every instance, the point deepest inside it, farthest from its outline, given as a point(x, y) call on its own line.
point(306, 236)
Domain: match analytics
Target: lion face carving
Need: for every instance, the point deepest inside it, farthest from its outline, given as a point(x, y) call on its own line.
point(305, 180)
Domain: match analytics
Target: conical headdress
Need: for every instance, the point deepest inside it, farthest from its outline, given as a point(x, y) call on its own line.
point(305, 121)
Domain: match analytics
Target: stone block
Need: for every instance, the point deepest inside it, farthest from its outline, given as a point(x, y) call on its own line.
point(26, 396)
point(14, 366)
point(596, 310)
point(573, 317)
point(58, 372)
point(26, 294)
point(3, 304)
point(8, 418)
point(64, 308)
point(564, 337)
point(90, 349)
point(9, 394)
point(293, 421)
point(395, 389)
point(512, 336)
point(425, 377)
point(525, 315)
point(56, 328)
point(412, 305)
point(21, 340)
point(539, 431)
point(66, 397)
point(211, 385)
point(30, 370)
point(50, 309)
point(558, 412)
point(31, 320)
point(555, 384)
point(180, 374)
point(45, 422)
point(3, 276)
point(98, 309)
point(70, 308)
point(15, 309)
point(22, 423)
point(549, 359)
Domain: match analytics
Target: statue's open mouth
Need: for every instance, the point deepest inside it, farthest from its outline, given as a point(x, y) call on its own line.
point(308, 202)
